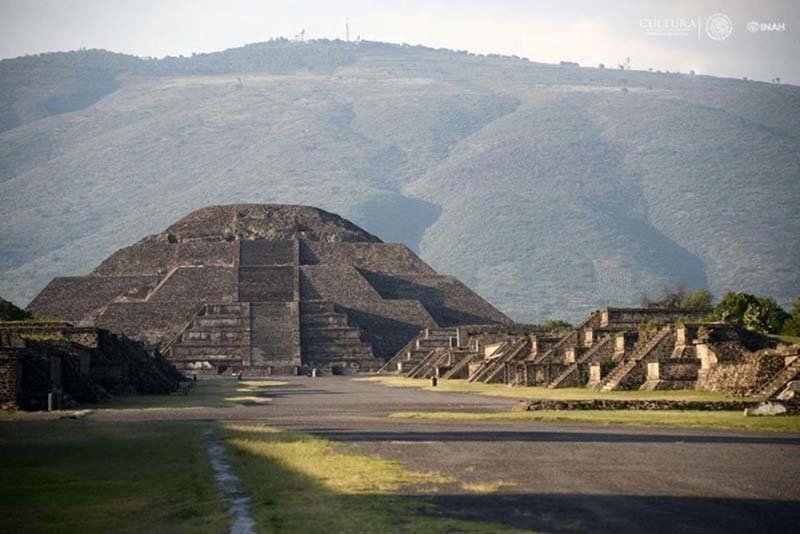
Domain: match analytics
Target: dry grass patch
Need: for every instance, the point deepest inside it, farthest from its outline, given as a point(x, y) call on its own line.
point(544, 393)
point(218, 392)
point(734, 420)
point(300, 483)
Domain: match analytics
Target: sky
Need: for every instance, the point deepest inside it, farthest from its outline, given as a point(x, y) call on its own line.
point(763, 42)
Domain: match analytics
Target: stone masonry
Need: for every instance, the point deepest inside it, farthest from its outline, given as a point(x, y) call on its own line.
point(266, 289)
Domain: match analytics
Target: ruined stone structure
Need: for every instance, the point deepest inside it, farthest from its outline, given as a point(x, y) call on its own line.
point(266, 289)
point(614, 348)
point(76, 364)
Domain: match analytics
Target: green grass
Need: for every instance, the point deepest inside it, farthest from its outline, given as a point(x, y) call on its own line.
point(299, 483)
point(80, 476)
point(207, 393)
point(543, 393)
point(678, 418)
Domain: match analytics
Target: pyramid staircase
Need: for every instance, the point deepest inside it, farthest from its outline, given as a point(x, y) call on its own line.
point(628, 365)
point(427, 367)
point(326, 336)
point(599, 350)
point(461, 368)
point(779, 381)
point(418, 349)
point(506, 353)
point(573, 336)
point(216, 335)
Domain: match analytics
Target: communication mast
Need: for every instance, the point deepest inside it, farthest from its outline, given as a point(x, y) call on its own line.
point(347, 30)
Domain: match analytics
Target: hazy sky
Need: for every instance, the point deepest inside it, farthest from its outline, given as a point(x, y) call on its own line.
point(589, 32)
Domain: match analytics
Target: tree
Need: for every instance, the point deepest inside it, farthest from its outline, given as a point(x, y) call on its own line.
point(556, 325)
point(699, 300)
point(760, 314)
point(791, 326)
point(9, 312)
point(681, 298)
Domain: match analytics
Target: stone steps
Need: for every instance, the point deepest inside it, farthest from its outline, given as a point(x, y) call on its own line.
point(585, 358)
point(460, 368)
point(619, 373)
point(193, 337)
point(218, 322)
point(492, 369)
point(327, 339)
point(780, 380)
point(331, 352)
point(217, 334)
point(329, 333)
point(323, 319)
point(317, 306)
point(182, 351)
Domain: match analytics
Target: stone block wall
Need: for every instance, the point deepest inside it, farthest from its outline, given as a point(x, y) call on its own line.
point(155, 323)
point(267, 283)
point(275, 335)
point(10, 377)
point(641, 315)
point(158, 256)
point(379, 257)
point(77, 299)
point(741, 377)
point(196, 284)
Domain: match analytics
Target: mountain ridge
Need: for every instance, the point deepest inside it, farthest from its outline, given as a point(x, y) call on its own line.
point(549, 190)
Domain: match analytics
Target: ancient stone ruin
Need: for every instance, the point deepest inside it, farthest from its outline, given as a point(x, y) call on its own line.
point(266, 289)
point(612, 349)
point(62, 364)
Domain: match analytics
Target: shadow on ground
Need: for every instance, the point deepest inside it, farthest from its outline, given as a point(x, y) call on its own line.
point(278, 489)
point(621, 513)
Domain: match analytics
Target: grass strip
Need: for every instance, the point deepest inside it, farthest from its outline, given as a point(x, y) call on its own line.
point(301, 483)
point(674, 418)
point(81, 476)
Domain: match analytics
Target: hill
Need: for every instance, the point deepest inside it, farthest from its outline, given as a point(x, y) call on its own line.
point(550, 190)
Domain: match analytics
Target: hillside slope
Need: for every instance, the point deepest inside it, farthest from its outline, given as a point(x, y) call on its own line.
point(549, 190)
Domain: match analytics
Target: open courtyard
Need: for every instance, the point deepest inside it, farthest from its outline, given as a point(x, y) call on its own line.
point(358, 455)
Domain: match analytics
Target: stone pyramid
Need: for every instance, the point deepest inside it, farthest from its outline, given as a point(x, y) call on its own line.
point(266, 289)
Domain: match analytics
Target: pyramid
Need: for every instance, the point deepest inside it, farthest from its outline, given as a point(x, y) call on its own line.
point(266, 289)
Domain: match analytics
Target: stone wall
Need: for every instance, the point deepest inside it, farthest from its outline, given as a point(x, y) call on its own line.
point(197, 284)
point(275, 336)
point(448, 301)
point(37, 359)
point(379, 257)
point(155, 323)
point(158, 256)
point(10, 377)
point(741, 377)
point(642, 315)
point(77, 299)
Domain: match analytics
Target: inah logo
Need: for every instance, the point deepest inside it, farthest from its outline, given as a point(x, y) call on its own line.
point(755, 27)
point(719, 26)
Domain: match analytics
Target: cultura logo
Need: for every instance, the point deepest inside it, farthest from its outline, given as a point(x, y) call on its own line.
point(719, 26)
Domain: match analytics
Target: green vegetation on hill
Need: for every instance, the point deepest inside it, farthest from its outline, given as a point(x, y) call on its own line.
point(546, 189)
point(9, 312)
